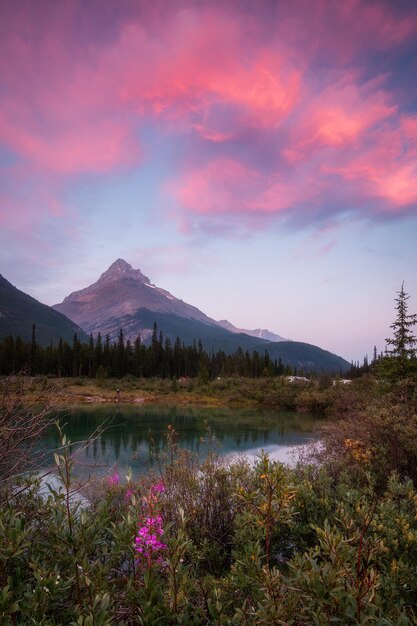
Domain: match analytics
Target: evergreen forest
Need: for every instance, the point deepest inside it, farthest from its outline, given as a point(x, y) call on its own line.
point(106, 359)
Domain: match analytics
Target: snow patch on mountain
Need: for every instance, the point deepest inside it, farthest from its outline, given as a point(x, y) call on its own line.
point(262, 333)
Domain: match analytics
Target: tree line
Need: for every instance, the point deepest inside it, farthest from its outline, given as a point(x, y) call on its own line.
point(164, 359)
point(100, 358)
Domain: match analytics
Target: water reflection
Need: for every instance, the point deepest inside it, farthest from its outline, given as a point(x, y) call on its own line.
point(131, 434)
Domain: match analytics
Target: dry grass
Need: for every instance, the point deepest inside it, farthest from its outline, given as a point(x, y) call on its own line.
point(75, 391)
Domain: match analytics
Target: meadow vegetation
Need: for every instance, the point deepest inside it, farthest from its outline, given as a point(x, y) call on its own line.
point(330, 541)
point(333, 540)
point(319, 396)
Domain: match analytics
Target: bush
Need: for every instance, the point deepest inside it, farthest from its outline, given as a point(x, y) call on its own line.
point(22, 421)
point(378, 440)
point(201, 542)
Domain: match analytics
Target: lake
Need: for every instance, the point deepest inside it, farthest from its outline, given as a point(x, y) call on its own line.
point(132, 434)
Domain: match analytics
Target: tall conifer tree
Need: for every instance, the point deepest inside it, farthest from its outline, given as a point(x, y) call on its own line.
point(401, 356)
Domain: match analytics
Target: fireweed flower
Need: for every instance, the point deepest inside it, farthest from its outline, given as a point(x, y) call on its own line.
point(129, 493)
point(148, 542)
point(113, 480)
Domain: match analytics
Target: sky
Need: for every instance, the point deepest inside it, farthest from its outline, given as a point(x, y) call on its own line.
point(256, 158)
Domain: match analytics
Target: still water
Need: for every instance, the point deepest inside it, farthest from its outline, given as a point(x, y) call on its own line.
point(128, 437)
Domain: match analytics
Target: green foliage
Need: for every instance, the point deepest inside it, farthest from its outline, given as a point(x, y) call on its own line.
point(400, 361)
point(267, 505)
point(328, 542)
point(244, 544)
point(375, 440)
point(115, 359)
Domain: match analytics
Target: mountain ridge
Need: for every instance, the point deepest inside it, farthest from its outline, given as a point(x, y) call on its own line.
point(124, 298)
point(120, 291)
point(213, 338)
point(261, 333)
point(19, 311)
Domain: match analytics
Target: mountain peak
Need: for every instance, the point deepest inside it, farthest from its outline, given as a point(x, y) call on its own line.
point(119, 269)
point(119, 266)
point(116, 298)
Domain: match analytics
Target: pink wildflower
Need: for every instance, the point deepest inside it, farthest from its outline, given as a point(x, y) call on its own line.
point(113, 480)
point(148, 542)
point(128, 494)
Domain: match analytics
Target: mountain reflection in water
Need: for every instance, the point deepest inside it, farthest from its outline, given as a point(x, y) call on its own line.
point(133, 434)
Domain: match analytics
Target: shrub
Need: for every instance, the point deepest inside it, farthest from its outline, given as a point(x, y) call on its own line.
point(380, 439)
point(22, 421)
point(201, 542)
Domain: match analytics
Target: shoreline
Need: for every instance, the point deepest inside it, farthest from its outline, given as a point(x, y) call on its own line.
point(70, 400)
point(84, 392)
point(318, 397)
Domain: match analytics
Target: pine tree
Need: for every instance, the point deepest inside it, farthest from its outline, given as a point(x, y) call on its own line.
point(33, 351)
point(120, 366)
point(98, 352)
point(107, 360)
point(90, 354)
point(76, 356)
point(137, 358)
point(399, 362)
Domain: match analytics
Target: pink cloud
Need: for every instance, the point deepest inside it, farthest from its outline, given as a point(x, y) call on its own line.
point(227, 186)
point(367, 173)
point(90, 100)
point(200, 65)
point(339, 33)
point(99, 146)
point(277, 106)
point(350, 132)
point(386, 166)
point(338, 116)
point(80, 114)
point(399, 186)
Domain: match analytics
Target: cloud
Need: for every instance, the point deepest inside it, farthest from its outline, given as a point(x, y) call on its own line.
point(228, 186)
point(345, 148)
point(278, 110)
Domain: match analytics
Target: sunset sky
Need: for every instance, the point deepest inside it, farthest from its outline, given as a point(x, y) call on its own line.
point(256, 158)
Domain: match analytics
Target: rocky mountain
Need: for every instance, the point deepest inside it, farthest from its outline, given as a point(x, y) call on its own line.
point(125, 298)
point(261, 333)
point(117, 295)
point(18, 313)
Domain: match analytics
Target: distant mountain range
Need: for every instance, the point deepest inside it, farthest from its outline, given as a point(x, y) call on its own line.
point(18, 313)
point(125, 298)
point(121, 292)
point(261, 333)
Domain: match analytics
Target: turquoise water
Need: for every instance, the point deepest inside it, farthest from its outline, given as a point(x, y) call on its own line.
point(106, 438)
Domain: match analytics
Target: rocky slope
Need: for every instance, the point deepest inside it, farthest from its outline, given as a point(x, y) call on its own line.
point(118, 294)
point(19, 311)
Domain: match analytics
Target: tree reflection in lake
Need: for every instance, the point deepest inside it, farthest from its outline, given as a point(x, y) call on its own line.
point(131, 433)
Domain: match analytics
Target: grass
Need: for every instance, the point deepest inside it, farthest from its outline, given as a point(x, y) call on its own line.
point(318, 397)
